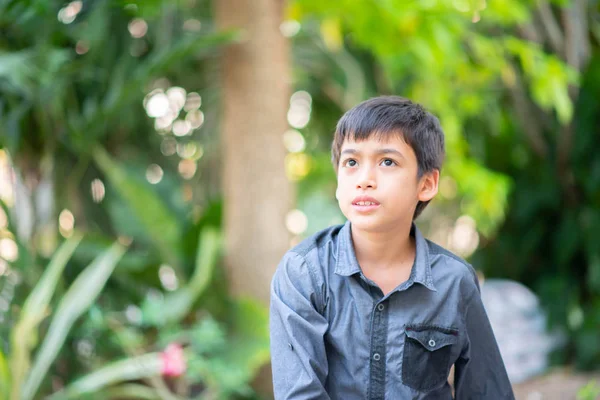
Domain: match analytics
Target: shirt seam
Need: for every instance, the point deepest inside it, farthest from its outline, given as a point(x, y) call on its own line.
point(314, 277)
point(464, 264)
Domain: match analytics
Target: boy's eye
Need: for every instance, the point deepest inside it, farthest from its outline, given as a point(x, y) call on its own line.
point(388, 162)
point(350, 162)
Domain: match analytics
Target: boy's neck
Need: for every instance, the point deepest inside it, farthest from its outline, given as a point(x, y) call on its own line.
point(385, 250)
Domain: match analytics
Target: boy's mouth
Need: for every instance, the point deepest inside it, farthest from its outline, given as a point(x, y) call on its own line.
point(365, 203)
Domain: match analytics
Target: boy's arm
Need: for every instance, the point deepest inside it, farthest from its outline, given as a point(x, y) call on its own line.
point(297, 330)
point(480, 372)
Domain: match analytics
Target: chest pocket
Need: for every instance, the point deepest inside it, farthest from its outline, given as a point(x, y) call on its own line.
point(426, 360)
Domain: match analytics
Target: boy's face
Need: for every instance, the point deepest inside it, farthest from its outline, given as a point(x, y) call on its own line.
point(378, 185)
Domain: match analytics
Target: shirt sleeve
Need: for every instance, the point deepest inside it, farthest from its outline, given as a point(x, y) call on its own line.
point(479, 371)
point(297, 330)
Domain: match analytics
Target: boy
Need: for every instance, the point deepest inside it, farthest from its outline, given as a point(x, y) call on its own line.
point(370, 309)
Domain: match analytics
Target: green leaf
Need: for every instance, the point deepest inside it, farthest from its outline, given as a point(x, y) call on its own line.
point(566, 239)
point(162, 227)
point(35, 308)
point(590, 391)
point(249, 346)
point(209, 244)
point(180, 302)
point(130, 369)
point(5, 380)
point(197, 46)
point(16, 67)
point(593, 274)
point(231, 367)
point(78, 298)
point(158, 62)
point(132, 391)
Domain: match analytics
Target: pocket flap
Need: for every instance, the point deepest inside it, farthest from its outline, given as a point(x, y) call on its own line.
point(432, 338)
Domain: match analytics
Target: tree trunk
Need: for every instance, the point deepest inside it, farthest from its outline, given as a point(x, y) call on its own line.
point(255, 99)
point(255, 85)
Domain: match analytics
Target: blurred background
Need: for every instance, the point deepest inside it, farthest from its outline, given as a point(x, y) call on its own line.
point(158, 157)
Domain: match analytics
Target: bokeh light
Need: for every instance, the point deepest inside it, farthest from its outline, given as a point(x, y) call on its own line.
point(167, 276)
point(154, 173)
point(193, 101)
point(290, 28)
point(187, 168)
point(9, 250)
point(67, 14)
point(297, 166)
point(188, 150)
point(177, 98)
point(192, 25)
point(66, 223)
point(98, 190)
point(168, 146)
point(300, 107)
point(195, 118)
point(85, 348)
point(137, 28)
point(296, 222)
point(294, 141)
point(182, 128)
point(163, 124)
point(464, 237)
point(187, 193)
point(448, 187)
point(81, 47)
point(133, 314)
point(157, 104)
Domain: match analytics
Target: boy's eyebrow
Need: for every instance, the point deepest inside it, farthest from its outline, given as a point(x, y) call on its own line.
point(378, 151)
point(388, 151)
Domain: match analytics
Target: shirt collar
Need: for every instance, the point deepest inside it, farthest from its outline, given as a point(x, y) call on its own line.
point(346, 263)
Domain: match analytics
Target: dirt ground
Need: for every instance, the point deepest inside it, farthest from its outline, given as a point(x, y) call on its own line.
point(560, 384)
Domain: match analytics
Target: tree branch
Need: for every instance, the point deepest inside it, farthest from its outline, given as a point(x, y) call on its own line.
point(551, 27)
point(577, 51)
point(524, 111)
point(577, 43)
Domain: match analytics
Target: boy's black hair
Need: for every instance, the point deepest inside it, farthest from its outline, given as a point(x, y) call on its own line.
point(393, 115)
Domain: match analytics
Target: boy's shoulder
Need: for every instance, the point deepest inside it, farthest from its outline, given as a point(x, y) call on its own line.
point(436, 249)
point(306, 265)
point(317, 240)
point(314, 252)
point(453, 264)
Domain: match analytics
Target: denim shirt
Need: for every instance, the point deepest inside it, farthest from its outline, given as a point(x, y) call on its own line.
point(334, 335)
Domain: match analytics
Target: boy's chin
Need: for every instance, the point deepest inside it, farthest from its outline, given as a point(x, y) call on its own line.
point(373, 224)
point(370, 223)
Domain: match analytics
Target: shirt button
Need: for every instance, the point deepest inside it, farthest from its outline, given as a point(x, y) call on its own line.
point(290, 346)
point(380, 307)
point(431, 343)
point(376, 357)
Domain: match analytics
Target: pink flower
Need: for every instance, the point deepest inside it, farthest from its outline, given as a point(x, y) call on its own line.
point(173, 361)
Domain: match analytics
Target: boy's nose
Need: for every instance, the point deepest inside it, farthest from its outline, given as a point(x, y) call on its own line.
point(366, 179)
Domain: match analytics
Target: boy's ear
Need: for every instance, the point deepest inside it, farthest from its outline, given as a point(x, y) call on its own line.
point(428, 185)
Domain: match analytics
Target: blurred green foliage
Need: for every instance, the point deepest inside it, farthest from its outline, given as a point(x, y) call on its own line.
point(73, 81)
point(590, 391)
point(515, 85)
